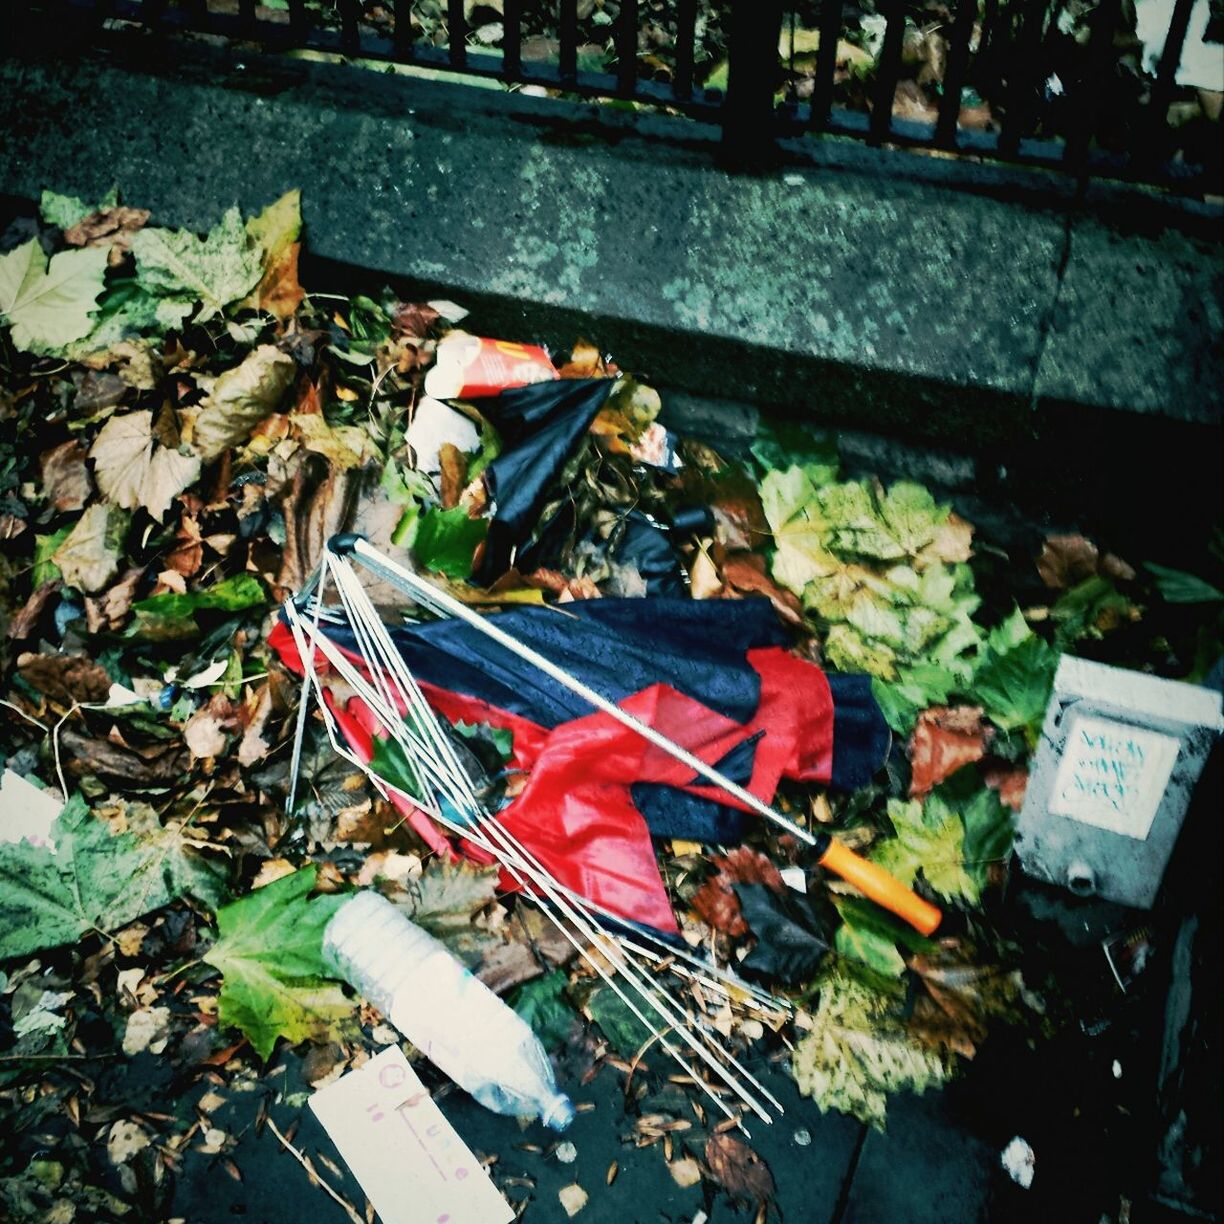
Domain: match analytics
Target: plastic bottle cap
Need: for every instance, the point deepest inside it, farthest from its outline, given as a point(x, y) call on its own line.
point(558, 1113)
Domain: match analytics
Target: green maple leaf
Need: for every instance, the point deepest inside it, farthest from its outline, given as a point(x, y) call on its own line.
point(858, 1051)
point(65, 211)
point(446, 541)
point(1014, 678)
point(543, 1005)
point(989, 823)
point(270, 952)
point(929, 838)
point(127, 311)
point(869, 947)
point(49, 305)
point(95, 879)
point(214, 271)
point(882, 573)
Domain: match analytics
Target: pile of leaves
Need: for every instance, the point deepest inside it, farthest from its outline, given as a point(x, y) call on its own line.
point(183, 427)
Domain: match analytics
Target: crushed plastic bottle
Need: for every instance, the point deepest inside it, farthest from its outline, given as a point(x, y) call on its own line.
point(450, 1016)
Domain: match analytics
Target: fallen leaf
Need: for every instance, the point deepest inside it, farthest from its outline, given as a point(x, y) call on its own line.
point(857, 1052)
point(453, 478)
point(49, 305)
point(1010, 782)
point(66, 482)
point(738, 1169)
point(240, 399)
point(214, 271)
point(207, 732)
point(414, 319)
point(344, 446)
point(89, 556)
point(126, 1138)
point(94, 879)
point(111, 228)
point(573, 1198)
point(685, 1172)
point(66, 679)
point(148, 1028)
point(745, 572)
point(133, 469)
point(116, 602)
point(26, 618)
point(961, 995)
point(1066, 560)
point(276, 231)
point(787, 947)
point(270, 951)
point(119, 765)
point(945, 738)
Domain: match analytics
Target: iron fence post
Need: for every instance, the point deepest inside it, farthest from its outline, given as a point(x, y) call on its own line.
point(749, 129)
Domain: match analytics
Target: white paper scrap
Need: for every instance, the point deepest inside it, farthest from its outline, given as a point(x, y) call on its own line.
point(1113, 775)
point(26, 812)
point(408, 1158)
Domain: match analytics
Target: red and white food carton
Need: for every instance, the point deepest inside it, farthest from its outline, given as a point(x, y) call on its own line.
point(467, 367)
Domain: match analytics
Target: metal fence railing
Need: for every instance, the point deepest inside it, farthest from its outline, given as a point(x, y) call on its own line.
point(1095, 87)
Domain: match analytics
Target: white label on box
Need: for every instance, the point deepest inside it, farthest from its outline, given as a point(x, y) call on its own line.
point(408, 1158)
point(1113, 775)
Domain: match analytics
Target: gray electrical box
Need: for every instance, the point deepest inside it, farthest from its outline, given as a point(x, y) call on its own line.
point(1119, 756)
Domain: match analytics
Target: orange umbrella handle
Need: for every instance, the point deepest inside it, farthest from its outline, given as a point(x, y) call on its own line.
point(882, 887)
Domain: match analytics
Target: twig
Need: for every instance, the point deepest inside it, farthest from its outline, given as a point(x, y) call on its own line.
point(304, 1161)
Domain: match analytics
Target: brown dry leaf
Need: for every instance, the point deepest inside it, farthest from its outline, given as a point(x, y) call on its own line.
point(318, 503)
point(207, 732)
point(746, 866)
point(65, 678)
point(534, 946)
point(254, 747)
point(453, 478)
point(112, 227)
point(89, 556)
point(1011, 783)
point(912, 102)
point(559, 584)
point(961, 995)
point(1115, 568)
point(413, 319)
point(945, 738)
point(124, 766)
point(241, 398)
point(344, 446)
point(27, 617)
point(187, 555)
point(705, 582)
point(685, 1172)
point(718, 905)
point(1066, 560)
point(11, 526)
point(110, 609)
point(738, 1169)
point(65, 478)
point(745, 572)
point(271, 870)
point(134, 469)
point(586, 361)
point(125, 1140)
point(280, 292)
